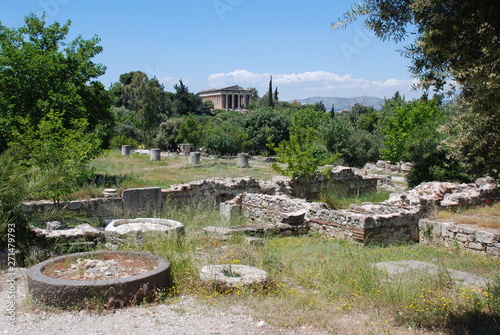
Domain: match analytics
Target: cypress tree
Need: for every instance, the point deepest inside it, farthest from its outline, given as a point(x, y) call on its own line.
point(270, 93)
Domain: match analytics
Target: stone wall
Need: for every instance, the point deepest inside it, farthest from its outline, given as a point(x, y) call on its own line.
point(375, 225)
point(217, 190)
point(133, 202)
point(394, 220)
point(365, 224)
point(468, 237)
point(275, 202)
point(342, 179)
point(210, 191)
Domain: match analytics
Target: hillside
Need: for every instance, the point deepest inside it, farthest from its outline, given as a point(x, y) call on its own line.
point(343, 103)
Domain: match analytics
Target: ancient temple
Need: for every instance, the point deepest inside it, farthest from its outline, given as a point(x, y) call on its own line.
point(229, 98)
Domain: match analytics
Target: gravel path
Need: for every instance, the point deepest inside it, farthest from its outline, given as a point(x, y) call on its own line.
point(186, 316)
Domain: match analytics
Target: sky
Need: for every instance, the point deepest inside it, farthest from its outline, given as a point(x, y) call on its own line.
point(219, 43)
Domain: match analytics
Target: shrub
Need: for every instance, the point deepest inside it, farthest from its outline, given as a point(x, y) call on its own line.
point(119, 140)
point(220, 144)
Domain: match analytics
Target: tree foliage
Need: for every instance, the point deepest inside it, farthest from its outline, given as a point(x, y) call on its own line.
point(302, 155)
point(265, 126)
point(185, 102)
point(48, 99)
point(190, 131)
point(457, 43)
point(412, 122)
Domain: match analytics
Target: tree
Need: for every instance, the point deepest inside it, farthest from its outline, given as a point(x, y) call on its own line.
point(48, 98)
point(220, 143)
point(456, 42)
point(58, 150)
point(40, 72)
point(472, 138)
point(406, 125)
point(320, 106)
point(270, 101)
point(190, 131)
point(167, 133)
point(184, 102)
point(265, 126)
point(309, 118)
point(302, 155)
point(411, 134)
point(207, 107)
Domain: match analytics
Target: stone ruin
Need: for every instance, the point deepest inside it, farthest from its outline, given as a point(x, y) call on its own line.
point(283, 206)
point(398, 219)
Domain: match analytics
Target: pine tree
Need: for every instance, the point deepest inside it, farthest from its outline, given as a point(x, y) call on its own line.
point(276, 95)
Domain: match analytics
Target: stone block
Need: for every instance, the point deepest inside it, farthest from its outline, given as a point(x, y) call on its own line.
point(475, 246)
point(294, 218)
point(53, 225)
point(74, 205)
point(493, 251)
point(461, 237)
point(486, 237)
point(109, 207)
point(467, 230)
point(147, 200)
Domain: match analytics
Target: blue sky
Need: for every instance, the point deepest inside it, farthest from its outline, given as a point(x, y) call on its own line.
point(219, 43)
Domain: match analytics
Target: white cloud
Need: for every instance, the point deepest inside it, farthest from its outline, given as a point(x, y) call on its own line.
point(313, 83)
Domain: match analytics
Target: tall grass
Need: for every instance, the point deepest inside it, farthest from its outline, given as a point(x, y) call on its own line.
point(338, 199)
point(485, 216)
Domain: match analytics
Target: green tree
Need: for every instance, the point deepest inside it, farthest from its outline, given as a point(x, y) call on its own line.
point(456, 42)
point(266, 126)
point(184, 102)
point(320, 106)
point(472, 138)
point(218, 142)
point(54, 149)
point(40, 72)
point(270, 101)
point(309, 118)
point(190, 131)
point(406, 125)
point(167, 133)
point(411, 134)
point(302, 155)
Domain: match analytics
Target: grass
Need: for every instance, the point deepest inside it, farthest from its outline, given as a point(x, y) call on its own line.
point(336, 198)
point(315, 280)
point(122, 172)
point(485, 216)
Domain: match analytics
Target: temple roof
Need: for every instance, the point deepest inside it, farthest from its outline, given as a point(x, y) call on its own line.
point(230, 88)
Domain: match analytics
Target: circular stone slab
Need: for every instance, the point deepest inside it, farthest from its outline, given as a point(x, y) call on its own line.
point(233, 275)
point(119, 230)
point(116, 292)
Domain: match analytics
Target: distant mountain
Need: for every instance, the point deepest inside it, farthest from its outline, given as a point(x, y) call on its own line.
point(343, 103)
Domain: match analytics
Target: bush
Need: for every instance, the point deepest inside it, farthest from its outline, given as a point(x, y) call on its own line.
point(128, 129)
point(119, 140)
point(220, 144)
